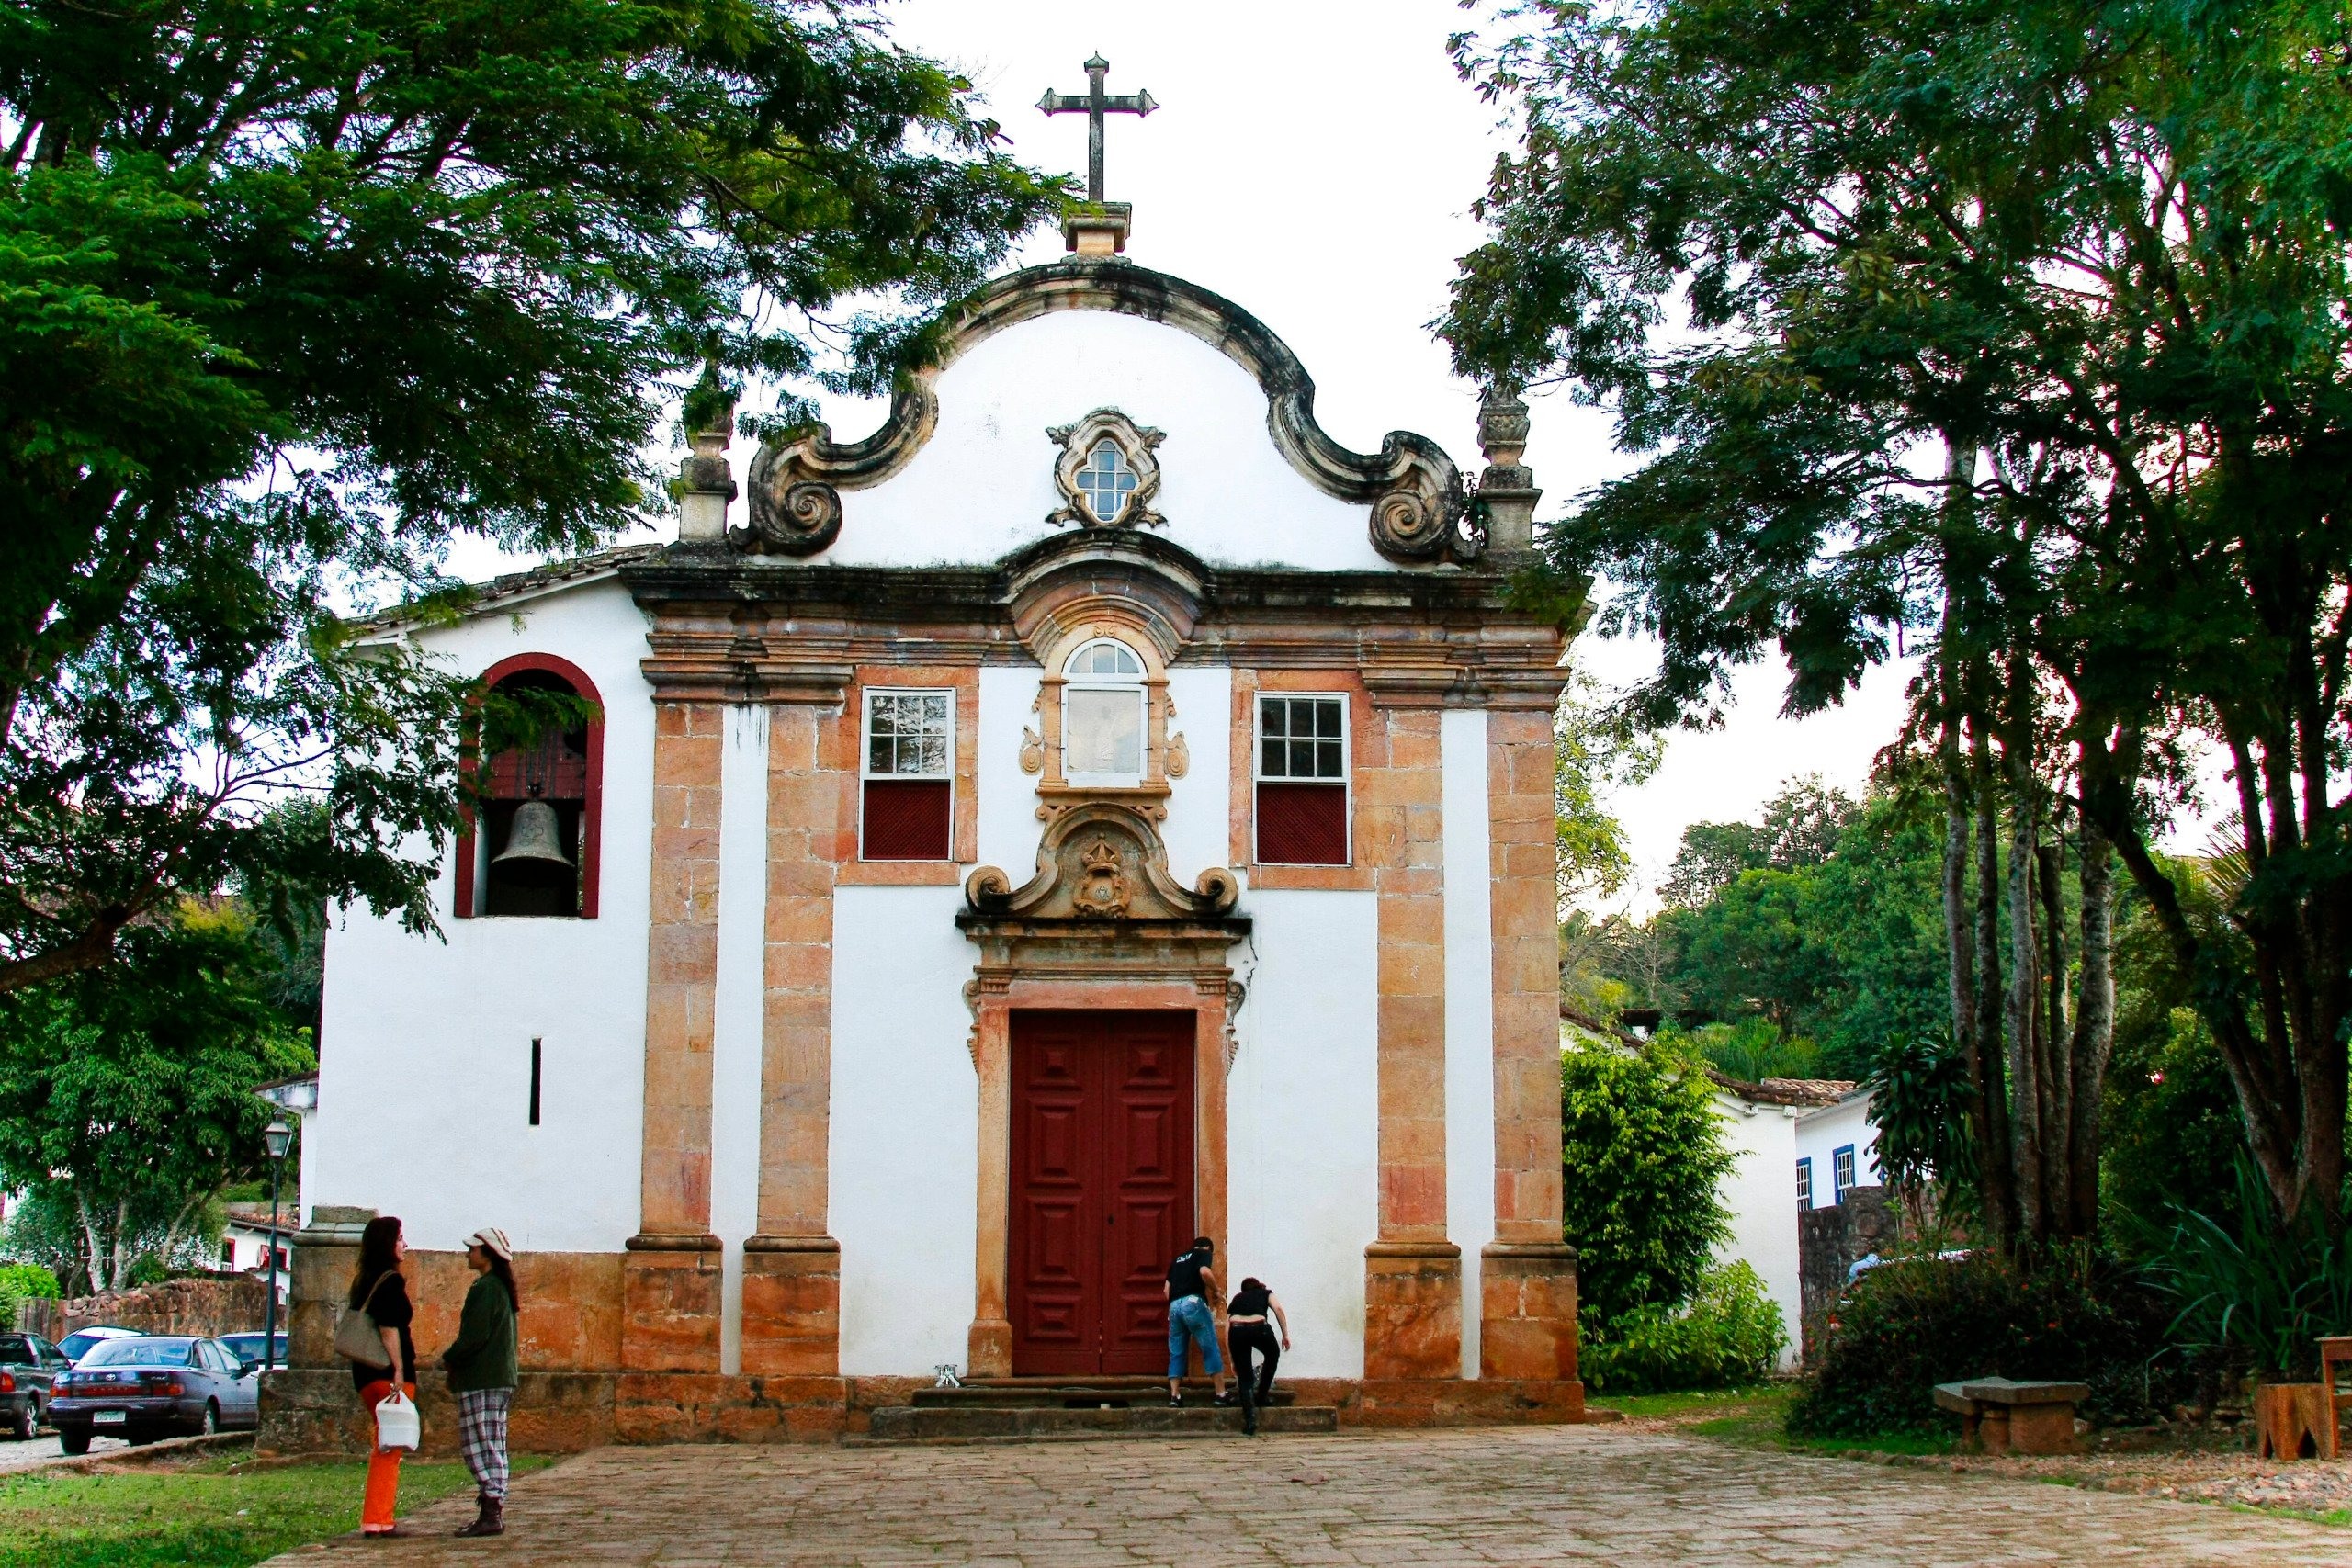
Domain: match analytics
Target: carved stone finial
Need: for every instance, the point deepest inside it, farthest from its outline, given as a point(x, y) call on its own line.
point(706, 481)
point(1506, 492)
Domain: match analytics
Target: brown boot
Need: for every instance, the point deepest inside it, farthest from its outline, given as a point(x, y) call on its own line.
point(492, 1519)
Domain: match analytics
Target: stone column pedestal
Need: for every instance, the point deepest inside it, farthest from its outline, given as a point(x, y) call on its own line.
point(1412, 1309)
point(669, 1303)
point(1527, 1326)
point(792, 1306)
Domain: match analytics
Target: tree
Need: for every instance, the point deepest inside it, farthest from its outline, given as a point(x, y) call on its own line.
point(292, 294)
point(2024, 325)
point(127, 1096)
point(1641, 1155)
point(1801, 827)
point(1592, 757)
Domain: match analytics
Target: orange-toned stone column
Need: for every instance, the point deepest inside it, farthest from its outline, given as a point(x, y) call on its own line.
point(1527, 1276)
point(989, 1345)
point(671, 1277)
point(792, 1286)
point(1412, 1274)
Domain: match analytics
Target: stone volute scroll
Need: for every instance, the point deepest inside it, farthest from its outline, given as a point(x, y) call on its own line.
point(1106, 473)
point(796, 484)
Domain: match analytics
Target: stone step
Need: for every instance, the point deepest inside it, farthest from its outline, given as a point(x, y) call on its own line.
point(1067, 1393)
point(976, 1424)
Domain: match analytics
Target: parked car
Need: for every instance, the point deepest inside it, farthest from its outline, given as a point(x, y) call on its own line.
point(82, 1341)
point(154, 1386)
point(29, 1366)
point(247, 1347)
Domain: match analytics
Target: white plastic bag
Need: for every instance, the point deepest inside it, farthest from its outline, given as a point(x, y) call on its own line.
point(397, 1426)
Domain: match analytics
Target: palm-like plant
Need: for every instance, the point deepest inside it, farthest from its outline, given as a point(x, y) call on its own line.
point(2259, 1287)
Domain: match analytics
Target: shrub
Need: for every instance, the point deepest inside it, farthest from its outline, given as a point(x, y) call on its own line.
point(1728, 1333)
point(1916, 1321)
point(23, 1283)
point(2253, 1290)
point(1640, 1151)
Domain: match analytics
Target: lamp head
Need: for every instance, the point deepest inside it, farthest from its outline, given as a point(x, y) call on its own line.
point(278, 1137)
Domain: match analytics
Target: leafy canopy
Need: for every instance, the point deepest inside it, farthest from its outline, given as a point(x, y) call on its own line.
point(128, 1095)
point(2029, 322)
point(291, 294)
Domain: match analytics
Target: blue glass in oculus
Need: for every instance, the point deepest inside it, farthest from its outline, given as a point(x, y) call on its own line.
point(1106, 481)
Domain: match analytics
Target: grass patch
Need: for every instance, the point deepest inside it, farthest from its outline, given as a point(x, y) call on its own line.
point(1756, 1417)
point(1651, 1407)
point(203, 1513)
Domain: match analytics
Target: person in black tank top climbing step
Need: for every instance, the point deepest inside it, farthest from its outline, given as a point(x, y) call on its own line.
point(1247, 1334)
point(1192, 1285)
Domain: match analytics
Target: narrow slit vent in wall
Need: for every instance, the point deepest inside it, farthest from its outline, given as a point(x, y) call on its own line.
point(535, 1080)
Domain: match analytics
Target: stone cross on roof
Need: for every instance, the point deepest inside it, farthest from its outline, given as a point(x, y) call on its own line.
point(1094, 103)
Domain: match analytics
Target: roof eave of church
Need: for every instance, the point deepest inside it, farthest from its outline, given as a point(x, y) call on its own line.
point(474, 599)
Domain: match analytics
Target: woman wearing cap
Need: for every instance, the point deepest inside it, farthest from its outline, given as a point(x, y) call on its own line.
point(482, 1366)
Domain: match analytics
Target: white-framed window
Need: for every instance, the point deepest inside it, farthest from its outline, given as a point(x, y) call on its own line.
point(1105, 719)
point(1301, 762)
point(1805, 1184)
point(1841, 1170)
point(906, 763)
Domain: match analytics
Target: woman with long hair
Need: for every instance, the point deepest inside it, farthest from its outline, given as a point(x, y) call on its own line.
point(381, 1291)
point(482, 1364)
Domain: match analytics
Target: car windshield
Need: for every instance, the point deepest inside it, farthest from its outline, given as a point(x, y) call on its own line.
point(16, 1350)
point(141, 1352)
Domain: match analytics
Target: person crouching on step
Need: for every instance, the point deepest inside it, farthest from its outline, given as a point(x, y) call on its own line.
point(481, 1366)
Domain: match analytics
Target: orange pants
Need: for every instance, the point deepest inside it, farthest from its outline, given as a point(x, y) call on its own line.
point(383, 1464)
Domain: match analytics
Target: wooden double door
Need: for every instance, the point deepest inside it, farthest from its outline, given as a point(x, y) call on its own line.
point(1102, 1188)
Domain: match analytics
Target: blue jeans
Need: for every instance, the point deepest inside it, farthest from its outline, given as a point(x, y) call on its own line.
point(1191, 1323)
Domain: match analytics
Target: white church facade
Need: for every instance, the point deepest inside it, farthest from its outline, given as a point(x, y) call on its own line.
point(1093, 808)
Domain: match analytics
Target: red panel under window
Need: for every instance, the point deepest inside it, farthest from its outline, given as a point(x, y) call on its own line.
point(1302, 824)
point(907, 819)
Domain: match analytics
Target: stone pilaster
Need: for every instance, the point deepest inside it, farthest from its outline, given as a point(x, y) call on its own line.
point(671, 1277)
point(1412, 1273)
point(1528, 1280)
point(792, 1268)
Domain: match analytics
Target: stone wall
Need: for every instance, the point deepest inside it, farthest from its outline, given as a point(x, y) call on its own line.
point(1829, 1242)
point(204, 1304)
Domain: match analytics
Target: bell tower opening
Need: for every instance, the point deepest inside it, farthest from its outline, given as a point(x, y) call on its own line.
point(529, 845)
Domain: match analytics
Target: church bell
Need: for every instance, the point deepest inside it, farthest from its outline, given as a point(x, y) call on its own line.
point(537, 835)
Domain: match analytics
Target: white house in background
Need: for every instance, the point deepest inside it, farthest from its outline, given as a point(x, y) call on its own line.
point(1837, 1147)
point(246, 1237)
point(1771, 1128)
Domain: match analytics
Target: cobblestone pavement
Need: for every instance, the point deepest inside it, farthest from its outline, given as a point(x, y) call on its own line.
point(1457, 1498)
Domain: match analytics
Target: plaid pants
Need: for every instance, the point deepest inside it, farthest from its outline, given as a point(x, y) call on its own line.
point(482, 1437)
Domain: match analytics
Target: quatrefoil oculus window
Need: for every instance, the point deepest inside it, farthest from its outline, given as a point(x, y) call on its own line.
point(1103, 715)
point(1106, 473)
point(1106, 481)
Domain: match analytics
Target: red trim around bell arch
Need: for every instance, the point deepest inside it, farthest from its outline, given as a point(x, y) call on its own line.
point(592, 816)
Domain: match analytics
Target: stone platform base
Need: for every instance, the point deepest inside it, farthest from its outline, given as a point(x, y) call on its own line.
point(314, 1410)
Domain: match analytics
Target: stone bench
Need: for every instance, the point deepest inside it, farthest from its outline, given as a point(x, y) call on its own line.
point(2001, 1415)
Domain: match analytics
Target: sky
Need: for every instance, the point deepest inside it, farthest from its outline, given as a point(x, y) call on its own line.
point(1316, 161)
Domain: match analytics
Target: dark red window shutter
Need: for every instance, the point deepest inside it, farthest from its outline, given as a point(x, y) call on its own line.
point(1302, 824)
point(907, 818)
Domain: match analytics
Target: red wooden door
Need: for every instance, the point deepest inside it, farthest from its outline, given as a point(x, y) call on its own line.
point(1102, 1188)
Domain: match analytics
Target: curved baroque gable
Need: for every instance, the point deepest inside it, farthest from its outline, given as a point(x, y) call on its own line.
point(1418, 507)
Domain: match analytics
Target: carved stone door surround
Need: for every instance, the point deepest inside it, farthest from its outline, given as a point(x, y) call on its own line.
point(1103, 925)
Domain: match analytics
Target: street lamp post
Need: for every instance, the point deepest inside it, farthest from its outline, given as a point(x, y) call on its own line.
point(278, 1136)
